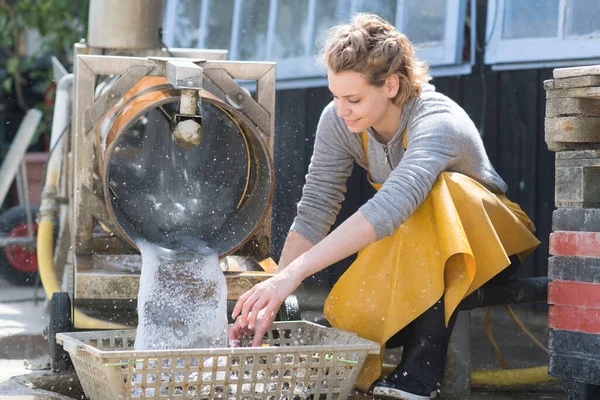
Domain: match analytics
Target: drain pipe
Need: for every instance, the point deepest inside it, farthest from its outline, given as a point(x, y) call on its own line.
point(47, 213)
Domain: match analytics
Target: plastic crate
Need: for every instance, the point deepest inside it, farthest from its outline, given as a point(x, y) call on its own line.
point(302, 360)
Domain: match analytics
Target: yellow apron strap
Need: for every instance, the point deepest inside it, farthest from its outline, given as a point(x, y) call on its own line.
point(365, 144)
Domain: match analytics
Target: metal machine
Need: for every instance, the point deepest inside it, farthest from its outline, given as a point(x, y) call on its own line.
point(99, 254)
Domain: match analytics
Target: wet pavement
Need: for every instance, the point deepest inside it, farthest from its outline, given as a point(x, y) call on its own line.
point(24, 352)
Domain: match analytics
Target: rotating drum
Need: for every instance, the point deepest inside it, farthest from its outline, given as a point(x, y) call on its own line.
point(215, 194)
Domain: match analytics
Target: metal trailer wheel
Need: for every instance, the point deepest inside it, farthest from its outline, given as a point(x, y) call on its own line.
point(18, 264)
point(290, 310)
point(60, 321)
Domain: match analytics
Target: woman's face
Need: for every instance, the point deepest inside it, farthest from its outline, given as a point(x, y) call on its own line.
point(359, 103)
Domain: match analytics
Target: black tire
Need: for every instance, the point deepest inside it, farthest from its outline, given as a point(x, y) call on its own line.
point(60, 321)
point(289, 310)
point(12, 219)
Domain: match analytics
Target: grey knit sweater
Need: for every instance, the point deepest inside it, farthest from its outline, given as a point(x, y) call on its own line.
point(440, 137)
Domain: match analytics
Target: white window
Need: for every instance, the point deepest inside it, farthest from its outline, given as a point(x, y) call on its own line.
point(530, 33)
point(291, 31)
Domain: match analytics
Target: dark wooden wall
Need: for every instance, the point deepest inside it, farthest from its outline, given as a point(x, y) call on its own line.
point(508, 107)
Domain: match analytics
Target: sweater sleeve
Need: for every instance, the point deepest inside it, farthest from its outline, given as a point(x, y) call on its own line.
point(330, 166)
point(433, 145)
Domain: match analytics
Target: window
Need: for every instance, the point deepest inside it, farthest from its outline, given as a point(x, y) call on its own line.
point(290, 31)
point(542, 32)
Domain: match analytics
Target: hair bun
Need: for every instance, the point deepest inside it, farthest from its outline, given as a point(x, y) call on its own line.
point(374, 48)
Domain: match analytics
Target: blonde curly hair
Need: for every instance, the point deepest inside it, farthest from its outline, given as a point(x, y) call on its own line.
point(374, 48)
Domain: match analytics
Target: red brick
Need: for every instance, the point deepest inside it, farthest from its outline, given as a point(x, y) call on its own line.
point(577, 294)
point(576, 319)
point(567, 243)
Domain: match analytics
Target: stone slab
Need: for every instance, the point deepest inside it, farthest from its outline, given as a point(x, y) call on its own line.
point(572, 367)
point(566, 146)
point(583, 93)
point(574, 294)
point(577, 186)
point(549, 84)
point(592, 157)
point(575, 390)
point(572, 107)
point(568, 243)
point(577, 82)
point(574, 343)
point(575, 319)
point(561, 133)
point(576, 71)
point(580, 269)
point(576, 219)
point(573, 129)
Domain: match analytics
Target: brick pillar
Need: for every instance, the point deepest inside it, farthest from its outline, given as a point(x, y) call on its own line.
point(573, 132)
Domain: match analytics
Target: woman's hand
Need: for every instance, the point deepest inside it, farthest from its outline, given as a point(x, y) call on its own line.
point(263, 322)
point(258, 306)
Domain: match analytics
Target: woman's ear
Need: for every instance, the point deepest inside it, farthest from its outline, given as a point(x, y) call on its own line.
point(392, 85)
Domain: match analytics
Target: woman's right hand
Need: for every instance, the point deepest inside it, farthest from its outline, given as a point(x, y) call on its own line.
point(256, 309)
point(238, 330)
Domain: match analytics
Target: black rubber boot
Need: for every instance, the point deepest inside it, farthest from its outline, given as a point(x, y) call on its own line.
point(419, 374)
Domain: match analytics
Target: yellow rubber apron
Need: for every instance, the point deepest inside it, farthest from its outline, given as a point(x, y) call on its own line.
point(458, 239)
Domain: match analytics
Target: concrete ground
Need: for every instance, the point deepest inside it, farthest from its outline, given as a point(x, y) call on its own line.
point(24, 351)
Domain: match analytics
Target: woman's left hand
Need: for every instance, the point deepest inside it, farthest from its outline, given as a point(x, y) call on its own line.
point(267, 296)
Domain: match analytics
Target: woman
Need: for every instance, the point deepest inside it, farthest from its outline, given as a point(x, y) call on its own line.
point(437, 229)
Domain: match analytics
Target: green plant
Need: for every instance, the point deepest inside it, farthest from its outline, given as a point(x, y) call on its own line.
point(27, 79)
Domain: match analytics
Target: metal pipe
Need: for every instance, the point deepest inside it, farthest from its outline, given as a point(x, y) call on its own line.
point(513, 292)
point(20, 189)
point(24, 241)
point(60, 122)
point(25, 189)
point(131, 24)
point(62, 109)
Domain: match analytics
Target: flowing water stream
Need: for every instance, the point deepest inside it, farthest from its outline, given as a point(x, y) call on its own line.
point(182, 302)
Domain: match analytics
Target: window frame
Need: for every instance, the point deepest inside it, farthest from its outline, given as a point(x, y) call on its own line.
point(444, 60)
point(450, 53)
point(504, 54)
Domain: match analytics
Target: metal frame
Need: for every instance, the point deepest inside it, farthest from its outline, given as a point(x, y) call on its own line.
point(86, 189)
point(444, 58)
point(508, 54)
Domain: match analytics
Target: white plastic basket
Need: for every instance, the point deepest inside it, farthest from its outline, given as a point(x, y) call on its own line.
point(302, 360)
